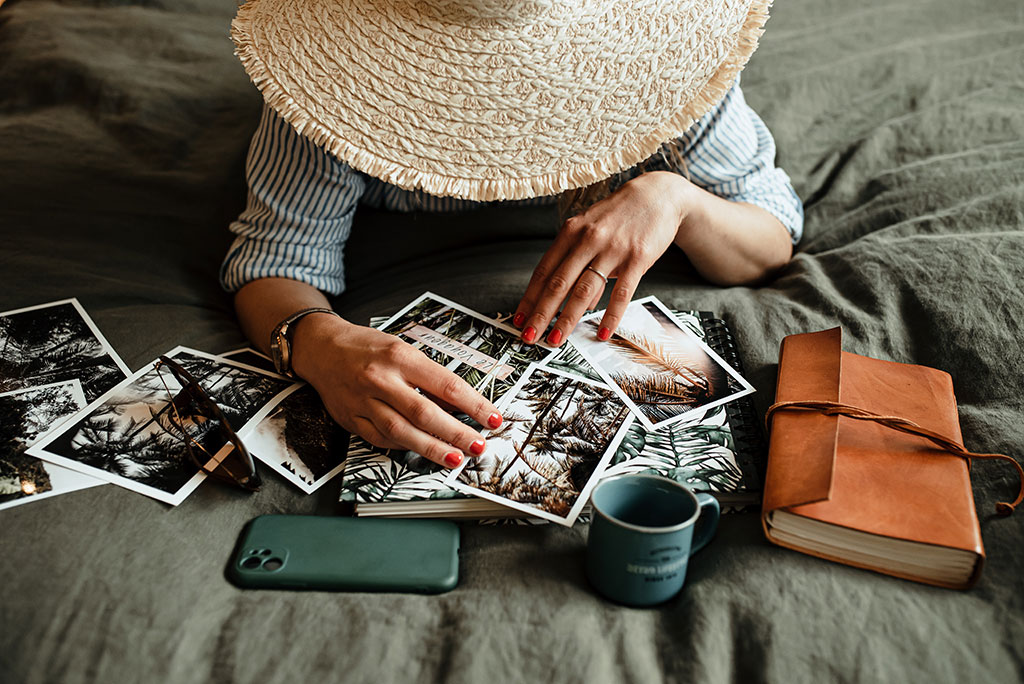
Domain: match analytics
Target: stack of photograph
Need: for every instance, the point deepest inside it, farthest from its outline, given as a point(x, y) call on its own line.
point(659, 396)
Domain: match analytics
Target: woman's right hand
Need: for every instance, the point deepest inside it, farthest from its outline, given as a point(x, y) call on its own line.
point(368, 381)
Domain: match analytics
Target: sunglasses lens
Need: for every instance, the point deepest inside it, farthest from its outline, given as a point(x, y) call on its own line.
point(238, 469)
point(198, 420)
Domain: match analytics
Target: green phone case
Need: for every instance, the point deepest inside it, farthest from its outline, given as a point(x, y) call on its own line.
point(346, 554)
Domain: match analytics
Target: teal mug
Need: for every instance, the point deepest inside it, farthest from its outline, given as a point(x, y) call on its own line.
point(643, 530)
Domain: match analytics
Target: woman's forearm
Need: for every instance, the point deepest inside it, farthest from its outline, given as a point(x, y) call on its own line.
point(731, 243)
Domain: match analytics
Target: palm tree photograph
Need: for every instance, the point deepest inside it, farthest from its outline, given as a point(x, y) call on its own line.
point(55, 342)
point(24, 416)
point(483, 352)
point(662, 370)
point(134, 437)
point(559, 432)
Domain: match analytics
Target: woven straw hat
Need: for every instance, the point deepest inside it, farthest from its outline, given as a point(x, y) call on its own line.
point(494, 99)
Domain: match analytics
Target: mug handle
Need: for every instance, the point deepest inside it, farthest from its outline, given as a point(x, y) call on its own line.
point(707, 523)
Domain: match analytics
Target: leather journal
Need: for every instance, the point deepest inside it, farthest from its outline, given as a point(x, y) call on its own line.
point(866, 465)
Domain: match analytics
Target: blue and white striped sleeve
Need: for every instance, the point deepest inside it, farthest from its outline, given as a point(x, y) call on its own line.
point(299, 212)
point(731, 153)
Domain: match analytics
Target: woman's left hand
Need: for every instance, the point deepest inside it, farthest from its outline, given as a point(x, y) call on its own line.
point(621, 236)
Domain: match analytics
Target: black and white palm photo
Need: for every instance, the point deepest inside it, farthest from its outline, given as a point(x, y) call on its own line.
point(661, 369)
point(24, 416)
point(558, 434)
point(134, 437)
point(54, 342)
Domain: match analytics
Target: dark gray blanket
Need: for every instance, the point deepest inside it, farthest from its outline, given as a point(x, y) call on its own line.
point(123, 130)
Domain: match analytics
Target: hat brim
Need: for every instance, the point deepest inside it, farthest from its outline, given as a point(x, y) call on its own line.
point(494, 108)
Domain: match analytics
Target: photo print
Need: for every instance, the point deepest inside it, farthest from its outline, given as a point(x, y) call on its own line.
point(298, 439)
point(485, 353)
point(569, 360)
point(662, 370)
point(55, 342)
point(25, 415)
point(373, 475)
point(130, 436)
point(699, 452)
point(250, 357)
point(559, 433)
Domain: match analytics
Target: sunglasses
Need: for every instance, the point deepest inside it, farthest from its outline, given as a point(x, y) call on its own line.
point(194, 415)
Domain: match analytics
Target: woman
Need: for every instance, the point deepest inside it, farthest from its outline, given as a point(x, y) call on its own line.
point(441, 104)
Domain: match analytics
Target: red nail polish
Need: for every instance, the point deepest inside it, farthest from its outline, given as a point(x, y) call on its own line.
point(555, 337)
point(494, 421)
point(603, 334)
point(452, 459)
point(529, 334)
point(477, 447)
point(518, 320)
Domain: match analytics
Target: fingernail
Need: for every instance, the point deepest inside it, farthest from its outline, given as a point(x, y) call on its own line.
point(452, 459)
point(477, 447)
point(603, 334)
point(555, 337)
point(494, 420)
point(518, 320)
point(529, 334)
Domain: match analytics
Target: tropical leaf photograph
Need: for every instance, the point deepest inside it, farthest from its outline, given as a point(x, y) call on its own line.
point(548, 455)
point(660, 367)
point(132, 436)
point(375, 475)
point(699, 452)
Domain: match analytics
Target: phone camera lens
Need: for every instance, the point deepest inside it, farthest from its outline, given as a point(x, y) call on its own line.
point(272, 564)
point(251, 563)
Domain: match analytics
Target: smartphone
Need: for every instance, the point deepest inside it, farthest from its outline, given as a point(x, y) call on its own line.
point(346, 554)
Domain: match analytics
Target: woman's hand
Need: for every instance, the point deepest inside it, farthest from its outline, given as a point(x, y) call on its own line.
point(368, 379)
point(621, 236)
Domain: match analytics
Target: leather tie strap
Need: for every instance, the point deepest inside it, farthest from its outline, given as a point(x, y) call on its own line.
point(832, 408)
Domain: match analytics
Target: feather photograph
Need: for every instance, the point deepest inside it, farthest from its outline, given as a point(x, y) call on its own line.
point(662, 370)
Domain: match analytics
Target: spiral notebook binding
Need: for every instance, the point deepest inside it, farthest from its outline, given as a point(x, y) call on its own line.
point(747, 433)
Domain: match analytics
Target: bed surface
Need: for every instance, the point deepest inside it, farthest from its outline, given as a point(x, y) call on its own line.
point(123, 130)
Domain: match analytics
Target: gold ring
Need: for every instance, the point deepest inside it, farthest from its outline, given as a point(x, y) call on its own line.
point(603, 276)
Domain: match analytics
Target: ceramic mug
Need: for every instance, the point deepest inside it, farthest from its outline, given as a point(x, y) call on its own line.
point(644, 529)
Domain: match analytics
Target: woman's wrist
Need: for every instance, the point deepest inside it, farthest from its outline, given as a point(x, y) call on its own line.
point(313, 335)
point(693, 228)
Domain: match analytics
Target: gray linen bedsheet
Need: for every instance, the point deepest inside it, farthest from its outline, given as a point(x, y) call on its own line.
point(123, 130)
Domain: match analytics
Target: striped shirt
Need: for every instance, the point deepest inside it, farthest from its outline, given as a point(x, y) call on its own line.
point(302, 199)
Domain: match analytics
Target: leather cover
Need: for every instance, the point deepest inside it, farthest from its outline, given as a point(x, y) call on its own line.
point(860, 474)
